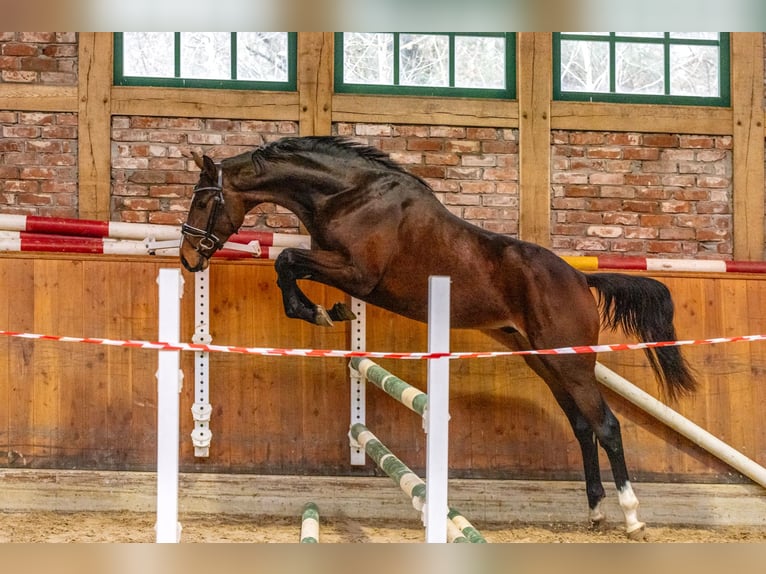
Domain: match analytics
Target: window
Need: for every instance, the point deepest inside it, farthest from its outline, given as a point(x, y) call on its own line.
point(235, 60)
point(437, 64)
point(652, 67)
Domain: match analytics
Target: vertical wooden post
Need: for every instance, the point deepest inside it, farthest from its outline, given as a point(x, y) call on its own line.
point(535, 57)
point(437, 421)
point(170, 284)
point(94, 124)
point(315, 82)
point(747, 136)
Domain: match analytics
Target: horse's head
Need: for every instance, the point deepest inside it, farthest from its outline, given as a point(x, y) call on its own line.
point(212, 216)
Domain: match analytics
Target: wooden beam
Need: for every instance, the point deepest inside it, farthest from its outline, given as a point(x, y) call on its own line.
point(204, 103)
point(426, 111)
point(535, 94)
point(36, 98)
point(644, 118)
point(94, 124)
point(748, 155)
point(372, 498)
point(315, 82)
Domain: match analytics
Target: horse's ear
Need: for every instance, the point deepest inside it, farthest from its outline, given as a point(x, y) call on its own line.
point(205, 164)
point(197, 159)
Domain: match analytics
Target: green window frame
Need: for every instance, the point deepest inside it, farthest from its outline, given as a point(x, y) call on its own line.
point(396, 86)
point(666, 42)
point(232, 82)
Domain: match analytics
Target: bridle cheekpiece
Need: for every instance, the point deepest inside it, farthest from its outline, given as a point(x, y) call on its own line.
point(208, 242)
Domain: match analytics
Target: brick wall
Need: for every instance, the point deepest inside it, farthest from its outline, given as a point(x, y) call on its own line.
point(38, 57)
point(38, 163)
point(152, 175)
point(657, 195)
point(474, 171)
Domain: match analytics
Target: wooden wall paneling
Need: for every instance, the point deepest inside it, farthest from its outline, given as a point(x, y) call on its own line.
point(426, 111)
point(17, 411)
point(37, 98)
point(641, 118)
point(315, 82)
point(747, 93)
point(535, 94)
point(98, 308)
point(204, 103)
point(94, 142)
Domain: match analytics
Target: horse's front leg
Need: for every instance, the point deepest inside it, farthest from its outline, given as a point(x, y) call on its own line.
point(325, 267)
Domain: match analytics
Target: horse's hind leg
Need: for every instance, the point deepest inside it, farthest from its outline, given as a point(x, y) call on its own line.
point(577, 374)
point(585, 436)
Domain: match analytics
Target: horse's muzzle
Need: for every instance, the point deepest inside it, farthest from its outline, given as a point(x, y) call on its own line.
point(200, 264)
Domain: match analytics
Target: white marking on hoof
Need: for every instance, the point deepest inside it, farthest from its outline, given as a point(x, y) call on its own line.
point(629, 504)
point(322, 317)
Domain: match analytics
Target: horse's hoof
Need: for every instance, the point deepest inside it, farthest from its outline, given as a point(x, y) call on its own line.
point(637, 532)
point(322, 317)
point(341, 312)
point(597, 524)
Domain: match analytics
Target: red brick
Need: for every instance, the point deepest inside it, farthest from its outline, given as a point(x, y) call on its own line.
point(712, 181)
point(640, 206)
point(697, 142)
point(587, 138)
point(604, 152)
point(660, 140)
point(662, 247)
point(424, 144)
point(39, 64)
point(623, 139)
point(37, 37)
point(490, 146)
point(621, 219)
point(17, 49)
point(481, 133)
point(642, 179)
point(19, 76)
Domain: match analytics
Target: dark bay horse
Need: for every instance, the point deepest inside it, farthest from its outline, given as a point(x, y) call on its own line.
point(378, 233)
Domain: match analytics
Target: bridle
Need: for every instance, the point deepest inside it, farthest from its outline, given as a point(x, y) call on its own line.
point(208, 242)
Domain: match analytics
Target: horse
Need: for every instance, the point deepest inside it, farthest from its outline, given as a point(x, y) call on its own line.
point(378, 232)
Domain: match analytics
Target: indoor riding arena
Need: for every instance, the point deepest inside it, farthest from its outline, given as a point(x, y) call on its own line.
point(143, 402)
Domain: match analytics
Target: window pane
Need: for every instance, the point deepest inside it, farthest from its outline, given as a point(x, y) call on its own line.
point(584, 66)
point(695, 35)
point(479, 62)
point(206, 55)
point(368, 58)
point(424, 60)
point(148, 54)
point(262, 56)
point(641, 34)
point(639, 69)
point(694, 71)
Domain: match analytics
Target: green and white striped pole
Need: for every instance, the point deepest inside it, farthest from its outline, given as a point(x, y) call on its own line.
point(411, 397)
point(310, 524)
point(465, 527)
point(412, 485)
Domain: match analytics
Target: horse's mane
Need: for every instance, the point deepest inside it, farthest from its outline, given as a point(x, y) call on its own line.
point(285, 148)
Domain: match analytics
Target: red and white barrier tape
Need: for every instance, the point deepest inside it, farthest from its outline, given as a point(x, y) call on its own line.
point(277, 352)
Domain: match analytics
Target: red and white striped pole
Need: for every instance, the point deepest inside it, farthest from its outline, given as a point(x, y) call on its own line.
point(64, 235)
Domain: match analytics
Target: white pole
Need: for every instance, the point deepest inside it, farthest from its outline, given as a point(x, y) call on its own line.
point(682, 425)
point(168, 389)
point(437, 419)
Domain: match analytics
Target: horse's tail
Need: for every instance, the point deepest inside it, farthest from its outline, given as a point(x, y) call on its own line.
point(643, 308)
